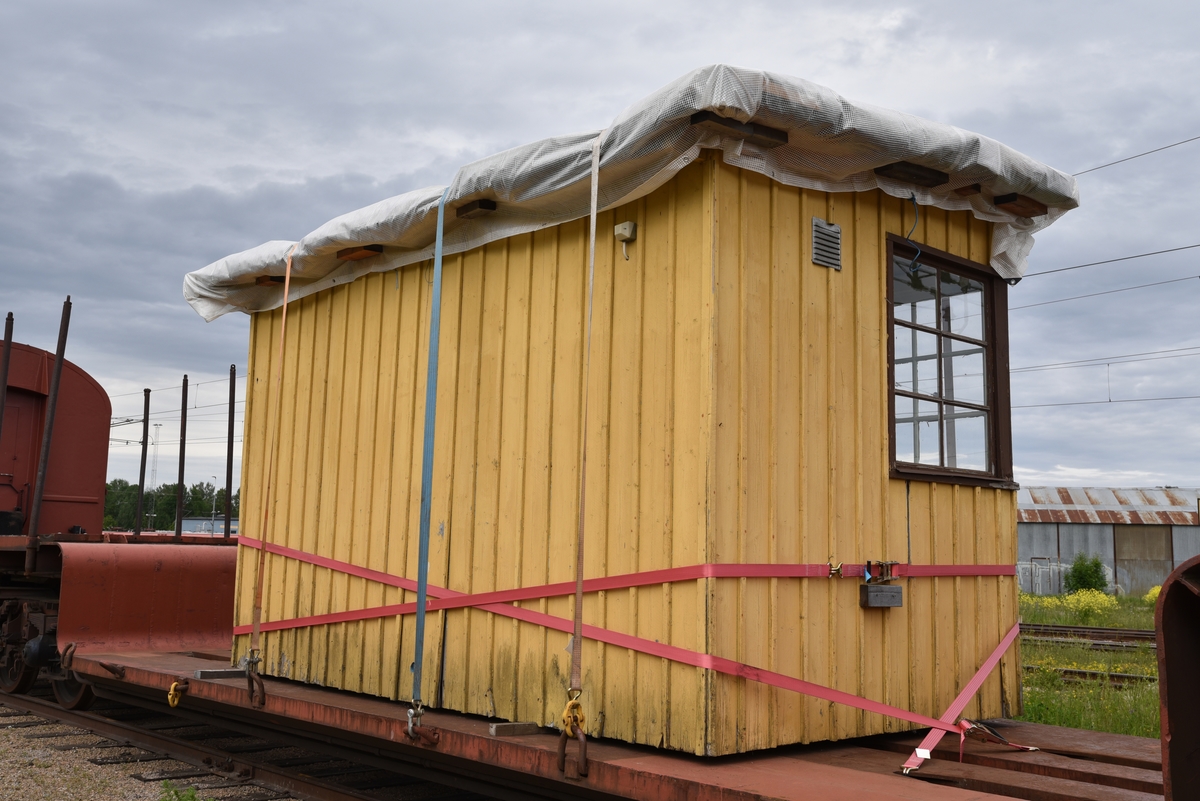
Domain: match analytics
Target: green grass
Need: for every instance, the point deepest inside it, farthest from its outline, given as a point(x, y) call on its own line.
point(1092, 705)
point(1131, 613)
point(172, 793)
point(1139, 661)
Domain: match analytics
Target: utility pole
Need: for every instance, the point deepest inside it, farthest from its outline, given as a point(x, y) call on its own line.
point(154, 468)
point(154, 480)
point(212, 526)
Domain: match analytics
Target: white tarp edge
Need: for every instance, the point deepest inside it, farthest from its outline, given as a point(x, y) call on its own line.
point(833, 145)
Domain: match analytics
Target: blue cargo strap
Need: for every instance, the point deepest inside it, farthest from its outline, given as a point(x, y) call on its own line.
point(435, 319)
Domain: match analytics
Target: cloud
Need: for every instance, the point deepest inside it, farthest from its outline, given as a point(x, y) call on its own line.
point(139, 141)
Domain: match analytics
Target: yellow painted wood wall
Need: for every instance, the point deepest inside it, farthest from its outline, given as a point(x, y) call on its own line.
point(800, 474)
point(738, 413)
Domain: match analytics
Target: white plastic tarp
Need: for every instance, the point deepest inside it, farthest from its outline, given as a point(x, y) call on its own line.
point(833, 145)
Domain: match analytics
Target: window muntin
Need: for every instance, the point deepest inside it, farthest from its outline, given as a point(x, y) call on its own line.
point(941, 357)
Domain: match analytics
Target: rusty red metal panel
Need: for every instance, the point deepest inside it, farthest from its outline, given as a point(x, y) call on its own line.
point(1154, 506)
point(75, 478)
point(121, 596)
point(1177, 621)
point(1176, 498)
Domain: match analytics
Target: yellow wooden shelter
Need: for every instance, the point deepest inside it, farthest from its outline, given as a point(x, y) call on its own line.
point(747, 405)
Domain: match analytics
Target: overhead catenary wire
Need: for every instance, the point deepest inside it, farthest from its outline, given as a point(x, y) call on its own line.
point(1106, 292)
point(1135, 156)
point(1152, 355)
point(190, 441)
point(1111, 261)
point(125, 420)
point(1100, 402)
point(241, 377)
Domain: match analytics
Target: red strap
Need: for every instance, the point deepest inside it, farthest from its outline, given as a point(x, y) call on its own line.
point(959, 704)
point(499, 603)
point(445, 599)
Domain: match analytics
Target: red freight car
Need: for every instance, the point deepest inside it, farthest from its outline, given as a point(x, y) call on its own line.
point(69, 588)
point(73, 500)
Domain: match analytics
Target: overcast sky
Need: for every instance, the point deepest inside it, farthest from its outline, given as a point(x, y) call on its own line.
point(139, 141)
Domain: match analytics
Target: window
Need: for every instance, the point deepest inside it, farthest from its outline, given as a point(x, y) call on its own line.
point(949, 368)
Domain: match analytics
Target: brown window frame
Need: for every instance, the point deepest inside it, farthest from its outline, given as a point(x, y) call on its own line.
point(996, 368)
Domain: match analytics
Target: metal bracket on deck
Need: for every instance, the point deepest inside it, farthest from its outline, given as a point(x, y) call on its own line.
point(418, 733)
point(255, 687)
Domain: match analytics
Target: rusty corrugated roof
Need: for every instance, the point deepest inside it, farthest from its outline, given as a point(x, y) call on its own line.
point(1159, 506)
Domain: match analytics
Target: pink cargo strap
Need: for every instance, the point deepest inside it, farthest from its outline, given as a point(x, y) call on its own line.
point(965, 727)
point(498, 602)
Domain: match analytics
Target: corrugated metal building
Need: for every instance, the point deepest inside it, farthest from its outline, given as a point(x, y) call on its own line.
point(798, 361)
point(1140, 535)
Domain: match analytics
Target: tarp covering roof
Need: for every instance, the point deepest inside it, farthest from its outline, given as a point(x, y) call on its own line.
point(1161, 506)
point(832, 145)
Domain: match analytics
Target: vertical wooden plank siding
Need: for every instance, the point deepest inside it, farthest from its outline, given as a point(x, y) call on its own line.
point(737, 413)
point(801, 474)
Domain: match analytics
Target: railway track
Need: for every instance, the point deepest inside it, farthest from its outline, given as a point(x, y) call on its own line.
point(1076, 674)
point(225, 764)
point(1098, 638)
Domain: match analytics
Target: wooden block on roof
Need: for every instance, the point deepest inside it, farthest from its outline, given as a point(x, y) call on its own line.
point(476, 208)
point(912, 173)
point(1020, 205)
point(968, 190)
point(752, 132)
point(267, 280)
point(361, 252)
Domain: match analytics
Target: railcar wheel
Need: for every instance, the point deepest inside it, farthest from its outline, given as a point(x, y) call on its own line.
point(16, 677)
point(73, 694)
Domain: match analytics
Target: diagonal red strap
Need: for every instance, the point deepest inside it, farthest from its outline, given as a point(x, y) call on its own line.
point(618, 582)
point(446, 598)
point(960, 703)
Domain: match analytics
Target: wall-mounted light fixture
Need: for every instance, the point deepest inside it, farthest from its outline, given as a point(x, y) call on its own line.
point(625, 233)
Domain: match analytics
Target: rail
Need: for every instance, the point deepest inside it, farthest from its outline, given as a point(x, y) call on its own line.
point(277, 767)
point(1093, 633)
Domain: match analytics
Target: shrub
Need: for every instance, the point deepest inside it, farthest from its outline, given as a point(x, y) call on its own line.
point(1152, 596)
point(1085, 573)
point(1087, 605)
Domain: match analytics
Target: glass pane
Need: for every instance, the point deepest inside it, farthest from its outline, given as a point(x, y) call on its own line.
point(962, 374)
point(966, 439)
point(914, 292)
point(917, 431)
point(962, 305)
point(906, 429)
point(928, 444)
point(916, 361)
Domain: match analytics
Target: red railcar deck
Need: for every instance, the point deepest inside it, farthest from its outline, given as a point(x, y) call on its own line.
point(1072, 765)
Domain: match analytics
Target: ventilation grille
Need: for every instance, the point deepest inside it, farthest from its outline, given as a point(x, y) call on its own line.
point(827, 244)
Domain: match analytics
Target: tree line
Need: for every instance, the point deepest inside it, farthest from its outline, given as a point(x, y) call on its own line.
point(158, 506)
